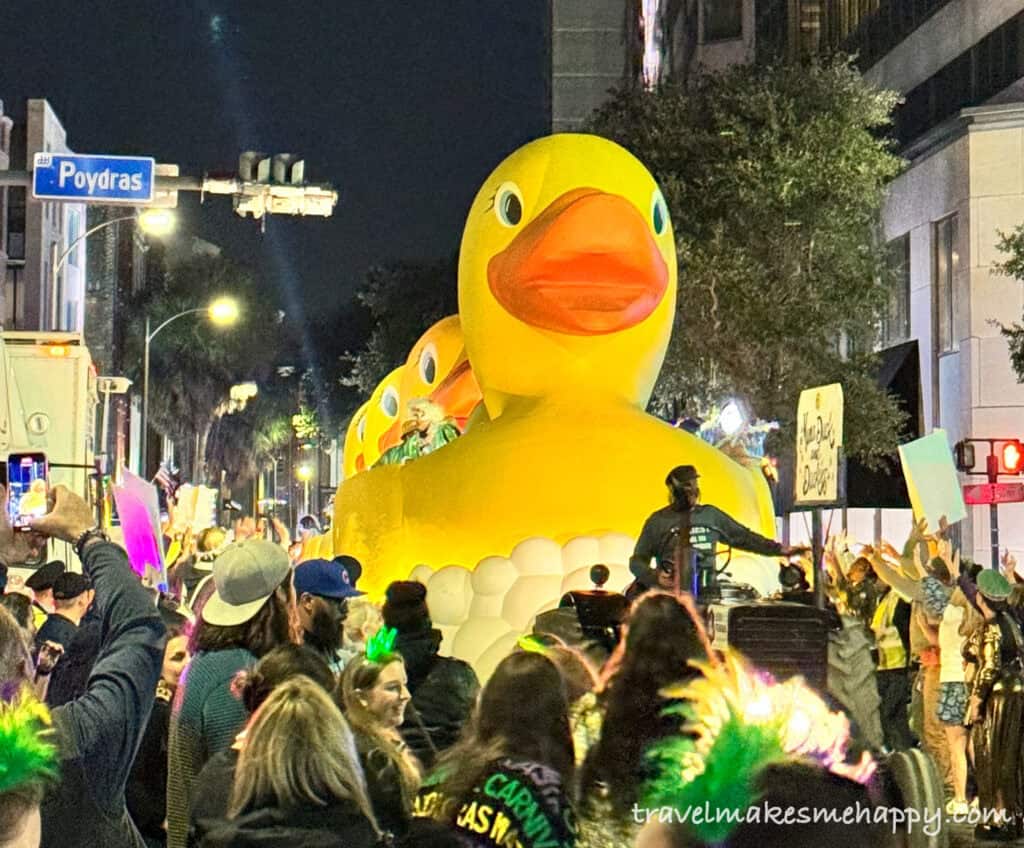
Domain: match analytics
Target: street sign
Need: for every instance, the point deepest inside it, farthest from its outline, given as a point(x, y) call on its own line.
point(993, 493)
point(97, 179)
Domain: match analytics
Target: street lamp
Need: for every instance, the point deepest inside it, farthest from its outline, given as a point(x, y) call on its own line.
point(222, 312)
point(154, 222)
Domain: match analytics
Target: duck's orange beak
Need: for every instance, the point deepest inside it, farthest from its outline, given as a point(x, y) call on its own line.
point(360, 463)
point(390, 437)
point(587, 265)
point(458, 393)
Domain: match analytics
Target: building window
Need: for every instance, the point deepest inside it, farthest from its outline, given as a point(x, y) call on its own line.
point(74, 231)
point(896, 319)
point(16, 223)
point(723, 19)
point(945, 266)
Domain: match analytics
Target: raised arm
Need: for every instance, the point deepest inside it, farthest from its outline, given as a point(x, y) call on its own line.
point(106, 723)
point(736, 535)
point(905, 587)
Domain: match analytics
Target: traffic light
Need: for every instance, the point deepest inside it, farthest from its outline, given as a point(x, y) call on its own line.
point(254, 167)
point(277, 185)
point(1011, 457)
point(964, 456)
point(1003, 456)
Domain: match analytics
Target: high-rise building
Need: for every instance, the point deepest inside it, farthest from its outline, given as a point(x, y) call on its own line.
point(42, 236)
point(960, 66)
point(598, 45)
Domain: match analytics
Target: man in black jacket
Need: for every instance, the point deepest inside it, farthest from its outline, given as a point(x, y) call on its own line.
point(443, 689)
point(708, 527)
point(97, 734)
point(72, 597)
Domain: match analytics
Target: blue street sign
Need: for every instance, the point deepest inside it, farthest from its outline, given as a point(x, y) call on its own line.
point(102, 179)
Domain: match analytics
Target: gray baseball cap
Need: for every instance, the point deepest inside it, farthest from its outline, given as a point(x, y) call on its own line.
point(246, 575)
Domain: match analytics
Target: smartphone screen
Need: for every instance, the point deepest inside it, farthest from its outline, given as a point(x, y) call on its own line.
point(27, 484)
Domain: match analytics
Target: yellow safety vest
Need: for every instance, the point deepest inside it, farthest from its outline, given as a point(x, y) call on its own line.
point(891, 652)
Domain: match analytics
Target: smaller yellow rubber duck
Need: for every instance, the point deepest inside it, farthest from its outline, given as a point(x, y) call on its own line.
point(382, 429)
point(352, 453)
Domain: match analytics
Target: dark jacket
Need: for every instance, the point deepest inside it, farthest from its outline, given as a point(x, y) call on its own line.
point(98, 733)
point(383, 785)
point(513, 802)
point(71, 674)
point(341, 825)
point(212, 794)
point(146, 792)
point(57, 629)
point(709, 526)
point(443, 690)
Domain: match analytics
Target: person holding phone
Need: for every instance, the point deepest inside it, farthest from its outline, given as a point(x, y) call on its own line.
point(97, 733)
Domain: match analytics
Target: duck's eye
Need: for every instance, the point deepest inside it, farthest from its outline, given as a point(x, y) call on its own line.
point(361, 428)
point(428, 365)
point(659, 212)
point(389, 402)
point(508, 204)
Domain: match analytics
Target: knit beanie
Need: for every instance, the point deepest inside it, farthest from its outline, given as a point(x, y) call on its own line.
point(405, 607)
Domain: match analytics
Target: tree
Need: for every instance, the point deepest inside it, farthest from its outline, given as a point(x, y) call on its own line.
point(403, 300)
point(246, 442)
point(1013, 244)
point(192, 363)
point(774, 176)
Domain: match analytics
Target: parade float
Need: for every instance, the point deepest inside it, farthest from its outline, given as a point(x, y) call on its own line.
point(567, 299)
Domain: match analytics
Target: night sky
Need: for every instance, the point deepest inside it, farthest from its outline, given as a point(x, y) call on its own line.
point(403, 105)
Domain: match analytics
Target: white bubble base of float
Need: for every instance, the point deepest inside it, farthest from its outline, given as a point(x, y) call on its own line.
point(483, 612)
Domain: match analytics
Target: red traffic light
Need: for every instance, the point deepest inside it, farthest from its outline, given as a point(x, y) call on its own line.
point(1011, 457)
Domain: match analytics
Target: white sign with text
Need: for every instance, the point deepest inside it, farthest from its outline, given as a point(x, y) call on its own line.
point(819, 438)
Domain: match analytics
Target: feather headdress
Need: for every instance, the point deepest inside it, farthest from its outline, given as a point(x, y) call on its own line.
point(737, 721)
point(381, 644)
point(26, 754)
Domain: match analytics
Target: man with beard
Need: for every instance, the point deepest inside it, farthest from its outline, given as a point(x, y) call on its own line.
point(322, 589)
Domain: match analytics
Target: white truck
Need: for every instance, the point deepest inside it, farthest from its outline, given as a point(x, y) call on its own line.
point(51, 401)
point(48, 402)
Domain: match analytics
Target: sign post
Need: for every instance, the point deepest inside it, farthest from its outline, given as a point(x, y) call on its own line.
point(819, 483)
point(96, 179)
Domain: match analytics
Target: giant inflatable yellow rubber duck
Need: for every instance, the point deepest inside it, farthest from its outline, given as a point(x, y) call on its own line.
point(382, 429)
point(438, 369)
point(567, 291)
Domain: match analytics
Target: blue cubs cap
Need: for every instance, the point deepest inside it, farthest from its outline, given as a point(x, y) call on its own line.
point(323, 578)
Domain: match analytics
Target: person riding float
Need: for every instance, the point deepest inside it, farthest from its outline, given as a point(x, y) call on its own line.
point(682, 539)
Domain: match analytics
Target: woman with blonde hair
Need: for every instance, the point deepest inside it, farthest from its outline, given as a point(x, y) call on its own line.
point(374, 696)
point(298, 781)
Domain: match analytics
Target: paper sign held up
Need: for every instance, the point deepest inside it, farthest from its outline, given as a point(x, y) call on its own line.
point(139, 511)
point(931, 479)
point(819, 438)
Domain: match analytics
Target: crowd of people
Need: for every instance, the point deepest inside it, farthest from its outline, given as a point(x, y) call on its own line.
point(949, 658)
point(267, 702)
